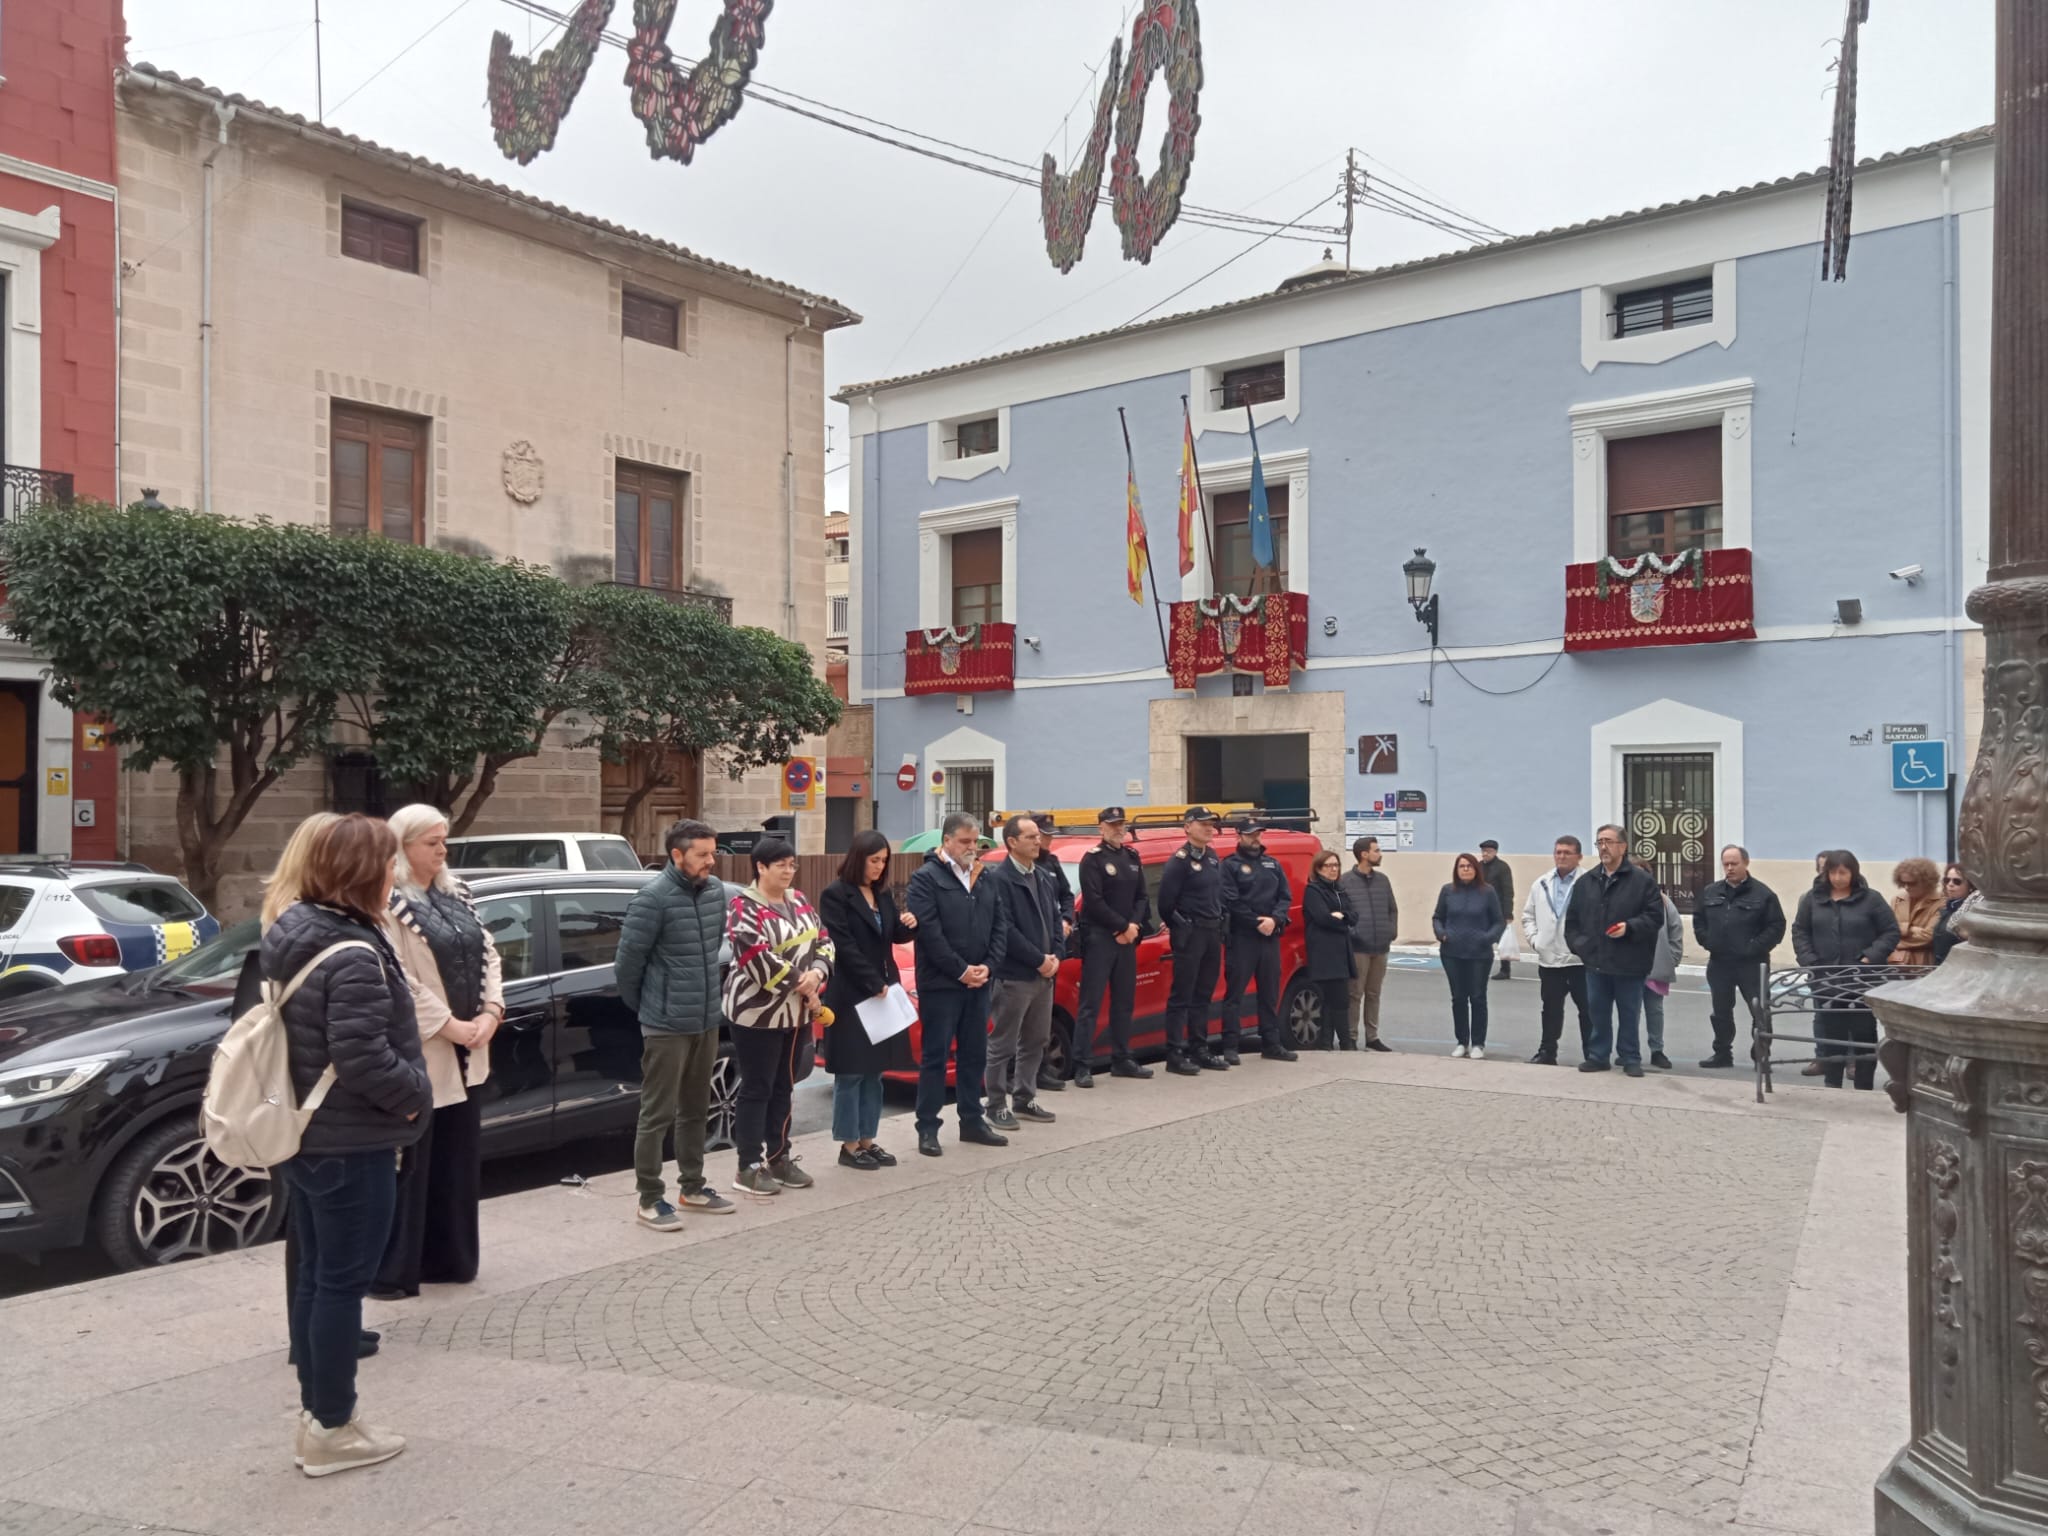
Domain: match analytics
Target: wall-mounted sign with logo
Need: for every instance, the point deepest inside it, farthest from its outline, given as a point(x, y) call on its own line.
point(938, 781)
point(57, 781)
point(1406, 800)
point(1906, 732)
point(1379, 754)
point(94, 736)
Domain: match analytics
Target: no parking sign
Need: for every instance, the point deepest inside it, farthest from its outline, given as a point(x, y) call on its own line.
point(799, 781)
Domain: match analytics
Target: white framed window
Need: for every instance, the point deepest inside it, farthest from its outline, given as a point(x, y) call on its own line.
point(980, 587)
point(967, 447)
point(1654, 317)
point(835, 623)
point(1269, 383)
point(1596, 424)
point(1224, 486)
point(23, 239)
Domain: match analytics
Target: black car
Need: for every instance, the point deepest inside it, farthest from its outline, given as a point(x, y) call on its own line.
point(100, 1083)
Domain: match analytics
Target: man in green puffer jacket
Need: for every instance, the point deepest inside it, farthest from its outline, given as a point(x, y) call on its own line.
point(667, 970)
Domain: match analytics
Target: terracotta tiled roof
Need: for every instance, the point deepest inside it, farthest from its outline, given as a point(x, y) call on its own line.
point(1972, 139)
point(831, 312)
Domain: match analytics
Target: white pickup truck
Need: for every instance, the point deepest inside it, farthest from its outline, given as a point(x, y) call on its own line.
point(543, 850)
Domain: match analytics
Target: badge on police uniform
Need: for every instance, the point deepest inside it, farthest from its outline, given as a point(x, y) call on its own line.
point(1109, 869)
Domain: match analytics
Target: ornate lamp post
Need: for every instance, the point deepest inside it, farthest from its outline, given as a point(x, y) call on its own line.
point(1968, 1044)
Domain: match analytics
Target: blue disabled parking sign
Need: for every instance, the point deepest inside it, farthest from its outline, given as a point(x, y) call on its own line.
point(1919, 765)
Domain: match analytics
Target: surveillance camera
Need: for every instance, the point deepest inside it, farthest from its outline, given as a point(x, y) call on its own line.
point(1909, 574)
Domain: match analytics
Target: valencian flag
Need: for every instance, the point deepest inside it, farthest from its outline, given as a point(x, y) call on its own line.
point(1190, 493)
point(1261, 519)
point(1137, 554)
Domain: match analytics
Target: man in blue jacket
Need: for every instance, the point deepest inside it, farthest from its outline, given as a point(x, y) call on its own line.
point(962, 934)
point(1614, 923)
point(1024, 977)
point(1260, 903)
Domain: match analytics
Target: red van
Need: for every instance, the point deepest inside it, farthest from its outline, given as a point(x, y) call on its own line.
point(1301, 1006)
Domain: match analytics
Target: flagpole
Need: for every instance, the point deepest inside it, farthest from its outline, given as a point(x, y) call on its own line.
point(1201, 496)
point(1131, 469)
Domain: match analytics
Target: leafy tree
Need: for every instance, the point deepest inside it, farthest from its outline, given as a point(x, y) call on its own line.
point(218, 647)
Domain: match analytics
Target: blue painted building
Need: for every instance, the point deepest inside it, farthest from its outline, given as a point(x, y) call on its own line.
point(1660, 381)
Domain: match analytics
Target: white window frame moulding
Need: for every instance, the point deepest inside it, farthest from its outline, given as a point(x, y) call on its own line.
point(1596, 346)
point(1725, 405)
point(935, 532)
point(1290, 469)
point(938, 467)
point(1204, 381)
point(23, 239)
point(1669, 726)
point(962, 748)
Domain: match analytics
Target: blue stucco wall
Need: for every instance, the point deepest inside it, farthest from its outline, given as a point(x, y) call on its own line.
point(1455, 434)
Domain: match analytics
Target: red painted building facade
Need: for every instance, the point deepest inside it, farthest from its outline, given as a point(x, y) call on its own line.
point(59, 376)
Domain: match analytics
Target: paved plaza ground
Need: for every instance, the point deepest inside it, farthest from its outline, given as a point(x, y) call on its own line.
point(1400, 1295)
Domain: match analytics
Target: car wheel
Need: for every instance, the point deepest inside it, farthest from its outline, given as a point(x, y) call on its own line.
point(1301, 1011)
point(1059, 1049)
point(719, 1127)
point(170, 1198)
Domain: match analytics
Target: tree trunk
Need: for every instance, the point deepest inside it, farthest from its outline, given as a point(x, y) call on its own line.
point(197, 841)
point(648, 778)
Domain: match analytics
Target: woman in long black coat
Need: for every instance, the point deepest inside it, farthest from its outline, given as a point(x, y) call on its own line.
point(866, 925)
point(1329, 919)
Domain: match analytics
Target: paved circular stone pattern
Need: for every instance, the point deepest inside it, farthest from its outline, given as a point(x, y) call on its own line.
point(1553, 1296)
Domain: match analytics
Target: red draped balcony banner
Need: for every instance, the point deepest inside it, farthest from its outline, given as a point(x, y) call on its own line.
point(978, 658)
point(1267, 636)
point(1695, 597)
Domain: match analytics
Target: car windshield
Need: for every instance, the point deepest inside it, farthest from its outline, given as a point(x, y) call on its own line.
point(218, 960)
point(608, 853)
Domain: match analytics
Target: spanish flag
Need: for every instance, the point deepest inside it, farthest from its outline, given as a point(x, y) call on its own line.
point(1137, 554)
point(1190, 494)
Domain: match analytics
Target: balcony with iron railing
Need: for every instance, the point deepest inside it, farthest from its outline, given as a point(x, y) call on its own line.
point(23, 489)
point(688, 597)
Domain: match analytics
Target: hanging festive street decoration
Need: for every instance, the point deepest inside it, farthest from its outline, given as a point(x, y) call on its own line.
point(1834, 244)
point(529, 98)
point(1166, 39)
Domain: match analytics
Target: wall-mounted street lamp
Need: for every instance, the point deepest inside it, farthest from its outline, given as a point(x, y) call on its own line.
point(1421, 571)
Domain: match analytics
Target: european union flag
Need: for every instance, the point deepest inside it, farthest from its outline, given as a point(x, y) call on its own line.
point(1261, 519)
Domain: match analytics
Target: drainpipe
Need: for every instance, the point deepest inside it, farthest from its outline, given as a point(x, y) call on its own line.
point(789, 473)
point(226, 115)
point(1951, 512)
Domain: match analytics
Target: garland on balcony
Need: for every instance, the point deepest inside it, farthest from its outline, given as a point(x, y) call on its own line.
point(1628, 570)
point(965, 634)
point(1229, 603)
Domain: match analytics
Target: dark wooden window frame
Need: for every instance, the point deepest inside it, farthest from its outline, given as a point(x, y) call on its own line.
point(649, 317)
point(1670, 523)
point(1253, 384)
point(1232, 510)
point(375, 431)
point(380, 236)
point(644, 483)
point(989, 442)
point(986, 604)
point(1664, 307)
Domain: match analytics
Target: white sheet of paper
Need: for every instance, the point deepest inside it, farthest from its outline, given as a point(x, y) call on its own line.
point(888, 1015)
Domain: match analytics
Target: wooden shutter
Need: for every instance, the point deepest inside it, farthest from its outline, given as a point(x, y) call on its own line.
point(643, 317)
point(648, 527)
point(1671, 469)
point(378, 476)
point(978, 558)
point(388, 239)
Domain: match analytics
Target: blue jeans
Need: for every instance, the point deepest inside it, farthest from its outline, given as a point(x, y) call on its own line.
point(953, 1018)
point(1468, 997)
point(1616, 1005)
point(856, 1106)
point(341, 1209)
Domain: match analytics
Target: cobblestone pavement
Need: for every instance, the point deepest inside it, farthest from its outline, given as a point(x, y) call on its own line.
point(1571, 1298)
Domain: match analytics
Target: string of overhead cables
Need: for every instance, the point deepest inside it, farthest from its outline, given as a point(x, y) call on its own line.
point(1379, 194)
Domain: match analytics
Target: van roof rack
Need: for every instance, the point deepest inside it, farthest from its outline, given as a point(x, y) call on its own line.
point(56, 865)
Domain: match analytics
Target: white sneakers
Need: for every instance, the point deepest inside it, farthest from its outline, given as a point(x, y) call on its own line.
point(1457, 1050)
point(322, 1451)
point(1479, 1053)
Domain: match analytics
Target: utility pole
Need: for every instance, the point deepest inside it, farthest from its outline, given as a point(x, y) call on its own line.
point(1350, 200)
point(319, 74)
point(1967, 1045)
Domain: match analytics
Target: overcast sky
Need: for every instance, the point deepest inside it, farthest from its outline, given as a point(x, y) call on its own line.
point(1527, 114)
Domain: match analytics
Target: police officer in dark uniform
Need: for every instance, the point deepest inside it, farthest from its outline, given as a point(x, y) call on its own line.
point(1191, 905)
point(1260, 902)
point(1115, 912)
point(1063, 894)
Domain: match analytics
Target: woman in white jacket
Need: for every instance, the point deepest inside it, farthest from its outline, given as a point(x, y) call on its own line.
point(1559, 972)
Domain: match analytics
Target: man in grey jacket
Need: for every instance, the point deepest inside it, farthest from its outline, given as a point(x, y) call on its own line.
point(668, 973)
point(1379, 924)
point(1657, 986)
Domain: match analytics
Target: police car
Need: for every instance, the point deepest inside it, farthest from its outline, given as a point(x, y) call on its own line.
point(63, 922)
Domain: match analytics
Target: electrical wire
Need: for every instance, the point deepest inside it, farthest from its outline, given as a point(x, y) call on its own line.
point(1502, 693)
point(1141, 314)
point(408, 48)
point(1423, 194)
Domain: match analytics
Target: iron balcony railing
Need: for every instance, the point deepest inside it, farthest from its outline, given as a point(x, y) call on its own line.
point(23, 490)
point(689, 597)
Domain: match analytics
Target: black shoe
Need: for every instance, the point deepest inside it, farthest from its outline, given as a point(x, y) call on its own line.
point(1209, 1061)
point(1346, 1043)
point(367, 1342)
point(1543, 1059)
point(1128, 1068)
point(1083, 1078)
point(849, 1158)
point(1031, 1109)
point(882, 1159)
point(1660, 1060)
point(928, 1144)
point(1182, 1066)
point(1502, 973)
point(1596, 1066)
point(1718, 1061)
point(1632, 1068)
point(1278, 1053)
point(1231, 1058)
point(981, 1135)
point(1050, 1082)
point(391, 1293)
point(1378, 1045)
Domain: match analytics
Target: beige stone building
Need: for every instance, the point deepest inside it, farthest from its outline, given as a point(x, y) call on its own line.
point(318, 329)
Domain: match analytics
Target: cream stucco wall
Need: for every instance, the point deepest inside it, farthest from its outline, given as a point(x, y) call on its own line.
point(511, 333)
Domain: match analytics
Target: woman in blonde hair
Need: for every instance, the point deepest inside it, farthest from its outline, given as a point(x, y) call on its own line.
point(1918, 909)
point(457, 989)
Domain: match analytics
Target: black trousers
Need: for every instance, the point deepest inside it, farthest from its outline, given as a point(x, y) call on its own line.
point(434, 1228)
point(1556, 983)
point(767, 1063)
point(1832, 1025)
point(1724, 980)
point(1336, 996)
point(1197, 957)
point(1105, 963)
point(1252, 956)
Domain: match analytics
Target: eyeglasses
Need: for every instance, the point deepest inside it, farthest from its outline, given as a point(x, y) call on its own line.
point(1955, 880)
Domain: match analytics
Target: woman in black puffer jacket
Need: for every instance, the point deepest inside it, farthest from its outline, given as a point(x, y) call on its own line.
point(352, 1014)
point(1842, 921)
